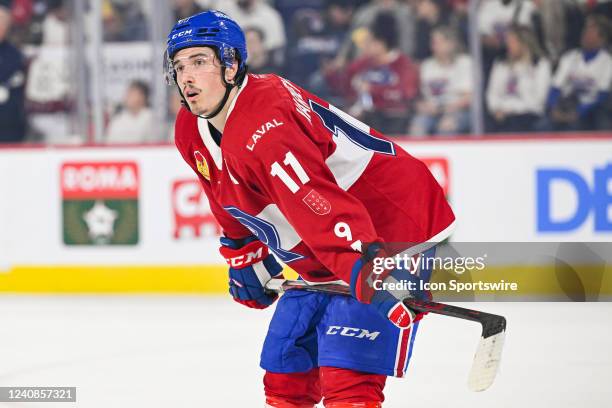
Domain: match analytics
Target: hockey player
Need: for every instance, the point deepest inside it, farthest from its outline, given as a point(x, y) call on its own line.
point(290, 175)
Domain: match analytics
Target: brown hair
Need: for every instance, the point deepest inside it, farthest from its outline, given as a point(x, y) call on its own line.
point(528, 38)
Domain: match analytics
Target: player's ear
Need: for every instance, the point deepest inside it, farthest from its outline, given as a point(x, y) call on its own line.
point(230, 73)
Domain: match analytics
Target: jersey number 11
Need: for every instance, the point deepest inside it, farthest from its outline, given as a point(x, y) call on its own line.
point(278, 171)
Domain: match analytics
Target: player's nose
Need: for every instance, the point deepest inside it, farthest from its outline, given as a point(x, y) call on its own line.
point(186, 81)
point(187, 77)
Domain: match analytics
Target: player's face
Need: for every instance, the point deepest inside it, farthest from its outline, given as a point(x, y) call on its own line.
point(198, 74)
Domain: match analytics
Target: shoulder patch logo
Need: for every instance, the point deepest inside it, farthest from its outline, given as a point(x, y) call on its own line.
point(202, 164)
point(317, 203)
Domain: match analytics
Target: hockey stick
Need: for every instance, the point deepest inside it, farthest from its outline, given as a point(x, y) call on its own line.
point(488, 353)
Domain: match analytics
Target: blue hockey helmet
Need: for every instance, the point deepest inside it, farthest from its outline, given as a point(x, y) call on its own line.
point(210, 28)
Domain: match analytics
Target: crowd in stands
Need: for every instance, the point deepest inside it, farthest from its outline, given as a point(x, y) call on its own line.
point(12, 85)
point(405, 67)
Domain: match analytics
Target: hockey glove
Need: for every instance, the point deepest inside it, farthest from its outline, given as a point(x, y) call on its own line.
point(251, 267)
point(386, 288)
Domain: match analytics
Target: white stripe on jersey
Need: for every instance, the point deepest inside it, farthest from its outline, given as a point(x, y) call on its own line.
point(287, 236)
point(348, 162)
point(213, 149)
point(230, 174)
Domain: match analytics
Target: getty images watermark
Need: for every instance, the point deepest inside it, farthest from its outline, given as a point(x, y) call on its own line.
point(418, 263)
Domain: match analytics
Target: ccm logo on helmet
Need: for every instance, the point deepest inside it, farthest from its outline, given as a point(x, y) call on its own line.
point(352, 332)
point(182, 33)
point(247, 259)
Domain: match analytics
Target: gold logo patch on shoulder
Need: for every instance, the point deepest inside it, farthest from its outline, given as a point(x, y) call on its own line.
point(202, 165)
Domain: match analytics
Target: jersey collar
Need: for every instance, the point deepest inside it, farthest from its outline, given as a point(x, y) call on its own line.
point(209, 142)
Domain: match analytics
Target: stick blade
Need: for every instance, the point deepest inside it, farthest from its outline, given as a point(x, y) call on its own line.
point(486, 362)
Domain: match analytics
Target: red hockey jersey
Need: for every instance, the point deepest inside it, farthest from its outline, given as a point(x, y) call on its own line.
point(310, 181)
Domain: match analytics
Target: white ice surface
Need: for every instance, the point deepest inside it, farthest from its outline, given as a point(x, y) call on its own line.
point(204, 352)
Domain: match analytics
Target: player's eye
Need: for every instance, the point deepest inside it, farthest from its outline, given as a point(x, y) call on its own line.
point(200, 62)
point(179, 68)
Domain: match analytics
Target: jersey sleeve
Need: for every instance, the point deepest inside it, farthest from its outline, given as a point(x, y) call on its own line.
point(230, 226)
point(290, 170)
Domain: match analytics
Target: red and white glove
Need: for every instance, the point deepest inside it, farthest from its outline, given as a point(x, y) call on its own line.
point(251, 267)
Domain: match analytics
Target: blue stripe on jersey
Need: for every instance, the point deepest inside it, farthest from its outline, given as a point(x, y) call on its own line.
point(265, 232)
point(366, 141)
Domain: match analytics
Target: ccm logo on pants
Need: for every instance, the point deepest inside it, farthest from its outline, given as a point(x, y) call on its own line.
point(352, 332)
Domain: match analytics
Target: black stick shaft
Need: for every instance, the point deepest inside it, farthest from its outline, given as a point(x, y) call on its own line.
point(491, 323)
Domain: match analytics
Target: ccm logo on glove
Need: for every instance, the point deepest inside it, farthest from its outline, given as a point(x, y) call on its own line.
point(245, 256)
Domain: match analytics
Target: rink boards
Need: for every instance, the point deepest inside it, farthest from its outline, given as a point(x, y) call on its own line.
point(133, 219)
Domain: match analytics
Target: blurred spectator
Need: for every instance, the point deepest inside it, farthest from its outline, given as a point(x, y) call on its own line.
point(134, 123)
point(383, 82)
point(317, 38)
point(581, 85)
point(549, 23)
point(12, 79)
point(259, 57)
point(49, 94)
point(519, 83)
point(446, 88)
point(185, 8)
point(31, 15)
point(22, 13)
point(575, 18)
point(123, 20)
point(174, 106)
point(55, 23)
point(459, 20)
point(494, 18)
point(430, 14)
point(365, 16)
point(601, 7)
point(257, 14)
